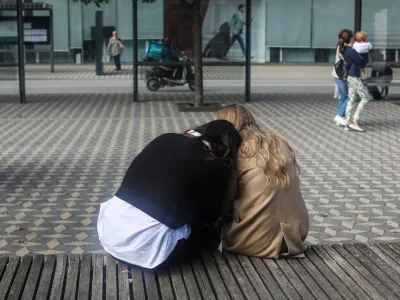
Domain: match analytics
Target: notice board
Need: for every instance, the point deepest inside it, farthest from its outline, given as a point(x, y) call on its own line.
point(36, 30)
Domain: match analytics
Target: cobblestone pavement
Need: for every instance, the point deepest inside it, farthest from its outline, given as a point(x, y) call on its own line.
point(86, 71)
point(61, 156)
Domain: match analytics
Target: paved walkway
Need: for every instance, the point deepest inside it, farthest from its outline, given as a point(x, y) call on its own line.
point(61, 156)
point(81, 79)
point(87, 71)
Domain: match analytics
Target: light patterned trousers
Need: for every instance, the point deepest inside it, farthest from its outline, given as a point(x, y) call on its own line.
point(356, 87)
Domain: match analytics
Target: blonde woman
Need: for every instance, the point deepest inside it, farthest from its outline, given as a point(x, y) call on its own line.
point(269, 216)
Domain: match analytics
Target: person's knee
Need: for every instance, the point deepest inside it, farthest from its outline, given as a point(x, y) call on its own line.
point(364, 102)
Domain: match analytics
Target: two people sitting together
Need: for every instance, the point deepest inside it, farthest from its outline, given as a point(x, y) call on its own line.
point(183, 190)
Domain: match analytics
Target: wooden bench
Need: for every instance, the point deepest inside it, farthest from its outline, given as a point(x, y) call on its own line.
point(377, 83)
point(355, 271)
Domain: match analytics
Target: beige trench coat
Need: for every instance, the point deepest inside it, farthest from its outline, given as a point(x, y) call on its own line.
point(264, 215)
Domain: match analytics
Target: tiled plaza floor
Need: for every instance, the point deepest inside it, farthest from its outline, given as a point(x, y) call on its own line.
point(61, 156)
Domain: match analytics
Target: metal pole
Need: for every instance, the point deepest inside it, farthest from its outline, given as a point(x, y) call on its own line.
point(21, 55)
point(198, 57)
point(248, 51)
point(135, 50)
point(51, 42)
point(99, 42)
point(357, 17)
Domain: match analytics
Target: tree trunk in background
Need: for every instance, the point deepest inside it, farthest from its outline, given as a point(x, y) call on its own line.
point(197, 53)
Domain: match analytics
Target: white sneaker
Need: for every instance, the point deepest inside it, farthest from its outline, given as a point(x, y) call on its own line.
point(356, 127)
point(340, 121)
point(336, 96)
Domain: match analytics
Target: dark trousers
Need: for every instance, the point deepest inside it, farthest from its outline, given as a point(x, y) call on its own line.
point(237, 37)
point(117, 62)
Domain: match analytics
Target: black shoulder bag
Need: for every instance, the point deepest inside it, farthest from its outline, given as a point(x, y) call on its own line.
point(340, 68)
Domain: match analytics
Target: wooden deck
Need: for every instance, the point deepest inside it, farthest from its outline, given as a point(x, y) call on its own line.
point(329, 272)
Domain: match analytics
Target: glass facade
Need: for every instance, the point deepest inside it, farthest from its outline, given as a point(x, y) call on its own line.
point(380, 19)
point(283, 31)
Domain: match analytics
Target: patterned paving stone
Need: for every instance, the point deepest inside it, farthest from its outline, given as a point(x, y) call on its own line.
point(61, 156)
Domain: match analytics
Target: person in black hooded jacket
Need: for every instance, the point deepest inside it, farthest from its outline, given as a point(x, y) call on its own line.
point(171, 196)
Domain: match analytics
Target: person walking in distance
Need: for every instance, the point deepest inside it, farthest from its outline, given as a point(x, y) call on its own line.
point(341, 83)
point(356, 88)
point(115, 48)
point(236, 30)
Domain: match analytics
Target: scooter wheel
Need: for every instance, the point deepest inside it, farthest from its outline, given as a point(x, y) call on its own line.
point(191, 86)
point(153, 84)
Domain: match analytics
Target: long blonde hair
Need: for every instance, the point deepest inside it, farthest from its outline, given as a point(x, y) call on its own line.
point(266, 147)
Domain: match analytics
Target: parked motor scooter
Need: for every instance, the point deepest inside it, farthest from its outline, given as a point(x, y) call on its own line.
point(162, 76)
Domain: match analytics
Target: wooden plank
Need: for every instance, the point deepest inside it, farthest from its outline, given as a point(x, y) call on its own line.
point(46, 279)
point(361, 276)
point(296, 282)
point(84, 277)
point(138, 284)
point(57, 290)
point(269, 281)
point(123, 281)
point(165, 285)
point(390, 252)
point(111, 279)
point(97, 279)
point(202, 279)
point(241, 277)
point(178, 284)
point(190, 282)
point(71, 286)
point(254, 278)
point(8, 277)
point(305, 277)
point(215, 277)
point(151, 285)
point(32, 282)
point(335, 267)
point(374, 269)
point(318, 277)
point(385, 257)
point(364, 249)
point(281, 279)
point(395, 246)
point(329, 275)
point(227, 276)
point(20, 279)
point(3, 264)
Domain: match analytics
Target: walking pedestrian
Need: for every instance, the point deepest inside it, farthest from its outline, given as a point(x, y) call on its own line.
point(340, 86)
point(115, 48)
point(354, 63)
point(236, 30)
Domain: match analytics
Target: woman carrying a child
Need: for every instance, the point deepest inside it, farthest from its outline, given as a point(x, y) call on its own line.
point(354, 64)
